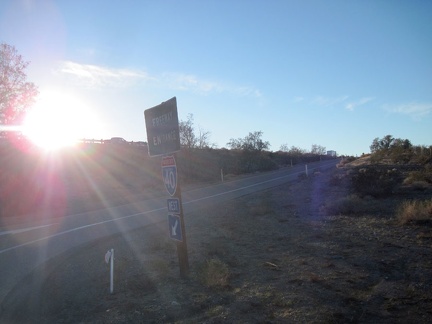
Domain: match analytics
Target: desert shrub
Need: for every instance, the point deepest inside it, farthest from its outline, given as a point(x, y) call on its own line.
point(420, 185)
point(266, 164)
point(417, 211)
point(336, 179)
point(214, 273)
point(375, 182)
point(159, 267)
point(422, 159)
point(424, 175)
point(399, 154)
point(302, 176)
point(350, 205)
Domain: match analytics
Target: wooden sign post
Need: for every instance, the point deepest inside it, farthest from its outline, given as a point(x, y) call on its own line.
point(163, 138)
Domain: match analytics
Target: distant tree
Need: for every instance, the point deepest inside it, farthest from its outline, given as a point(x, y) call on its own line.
point(290, 155)
point(386, 142)
point(396, 149)
point(252, 152)
point(404, 144)
point(381, 144)
point(16, 95)
point(189, 138)
point(252, 142)
point(296, 151)
point(204, 139)
point(318, 149)
point(375, 146)
point(235, 144)
point(284, 148)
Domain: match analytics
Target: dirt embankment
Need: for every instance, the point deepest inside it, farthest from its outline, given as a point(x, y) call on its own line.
point(274, 256)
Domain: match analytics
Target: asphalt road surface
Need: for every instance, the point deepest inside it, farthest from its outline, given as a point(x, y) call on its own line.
point(25, 246)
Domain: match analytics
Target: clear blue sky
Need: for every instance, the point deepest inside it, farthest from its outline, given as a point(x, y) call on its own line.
point(332, 73)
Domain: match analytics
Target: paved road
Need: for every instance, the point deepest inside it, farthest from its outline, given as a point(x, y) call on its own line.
point(27, 246)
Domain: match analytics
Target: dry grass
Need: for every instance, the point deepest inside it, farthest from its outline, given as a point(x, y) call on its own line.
point(214, 273)
point(415, 211)
point(351, 205)
point(424, 176)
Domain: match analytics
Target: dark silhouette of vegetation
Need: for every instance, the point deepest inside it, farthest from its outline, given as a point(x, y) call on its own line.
point(190, 138)
point(16, 94)
point(400, 151)
point(376, 182)
point(251, 142)
point(394, 164)
point(252, 154)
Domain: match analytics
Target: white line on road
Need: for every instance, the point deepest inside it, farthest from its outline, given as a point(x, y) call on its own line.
point(22, 230)
point(76, 229)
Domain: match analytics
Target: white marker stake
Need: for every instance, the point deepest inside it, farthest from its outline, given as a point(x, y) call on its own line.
point(306, 171)
point(109, 256)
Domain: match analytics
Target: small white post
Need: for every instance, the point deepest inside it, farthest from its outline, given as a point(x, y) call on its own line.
point(306, 170)
point(109, 257)
point(112, 272)
point(222, 176)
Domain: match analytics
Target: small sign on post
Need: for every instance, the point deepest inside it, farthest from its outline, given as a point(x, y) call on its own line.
point(174, 224)
point(163, 138)
point(109, 258)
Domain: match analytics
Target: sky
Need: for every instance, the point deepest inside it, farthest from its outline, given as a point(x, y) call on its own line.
point(332, 73)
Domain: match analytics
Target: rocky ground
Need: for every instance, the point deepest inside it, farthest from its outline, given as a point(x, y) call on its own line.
point(275, 256)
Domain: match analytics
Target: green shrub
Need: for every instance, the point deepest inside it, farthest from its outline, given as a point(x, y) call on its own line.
point(416, 211)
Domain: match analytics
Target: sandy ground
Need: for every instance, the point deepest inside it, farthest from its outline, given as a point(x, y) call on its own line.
point(275, 256)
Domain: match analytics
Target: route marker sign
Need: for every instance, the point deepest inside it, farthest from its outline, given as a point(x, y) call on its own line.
point(173, 205)
point(163, 136)
point(175, 230)
point(169, 174)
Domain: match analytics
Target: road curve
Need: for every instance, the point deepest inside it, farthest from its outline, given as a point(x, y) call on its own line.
point(27, 246)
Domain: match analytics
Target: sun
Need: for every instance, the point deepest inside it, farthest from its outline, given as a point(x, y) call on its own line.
point(58, 119)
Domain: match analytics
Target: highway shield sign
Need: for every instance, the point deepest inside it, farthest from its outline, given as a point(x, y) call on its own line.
point(169, 174)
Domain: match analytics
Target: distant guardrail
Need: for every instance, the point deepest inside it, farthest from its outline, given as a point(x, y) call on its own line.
point(114, 140)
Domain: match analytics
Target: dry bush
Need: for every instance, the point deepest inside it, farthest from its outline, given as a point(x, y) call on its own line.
point(424, 175)
point(420, 185)
point(159, 267)
point(214, 273)
point(350, 205)
point(375, 182)
point(337, 179)
point(417, 211)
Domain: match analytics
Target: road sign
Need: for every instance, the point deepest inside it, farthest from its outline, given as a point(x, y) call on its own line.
point(173, 205)
point(169, 174)
point(174, 224)
point(163, 128)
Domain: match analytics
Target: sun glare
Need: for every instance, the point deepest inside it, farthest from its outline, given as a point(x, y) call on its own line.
point(58, 119)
